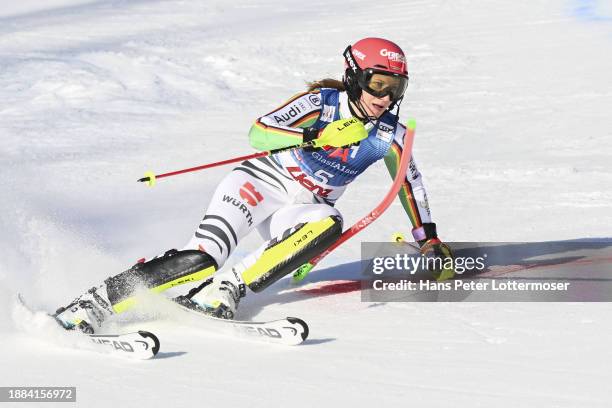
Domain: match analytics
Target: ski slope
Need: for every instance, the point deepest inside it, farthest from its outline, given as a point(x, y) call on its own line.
point(514, 140)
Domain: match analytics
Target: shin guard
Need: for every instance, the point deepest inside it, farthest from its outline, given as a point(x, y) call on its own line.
point(282, 256)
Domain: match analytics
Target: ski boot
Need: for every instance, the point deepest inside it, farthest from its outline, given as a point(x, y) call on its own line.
point(118, 293)
point(87, 312)
point(218, 296)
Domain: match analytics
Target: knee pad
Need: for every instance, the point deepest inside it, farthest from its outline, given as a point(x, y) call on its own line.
point(297, 246)
point(172, 269)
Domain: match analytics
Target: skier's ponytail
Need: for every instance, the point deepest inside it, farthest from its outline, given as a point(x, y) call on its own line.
point(325, 83)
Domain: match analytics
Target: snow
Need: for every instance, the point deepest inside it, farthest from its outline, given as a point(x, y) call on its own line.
point(514, 140)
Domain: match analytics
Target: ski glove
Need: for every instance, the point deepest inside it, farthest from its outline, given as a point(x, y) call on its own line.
point(432, 246)
point(342, 132)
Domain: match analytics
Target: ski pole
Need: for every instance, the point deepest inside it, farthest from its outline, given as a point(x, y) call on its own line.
point(351, 131)
point(150, 177)
point(303, 270)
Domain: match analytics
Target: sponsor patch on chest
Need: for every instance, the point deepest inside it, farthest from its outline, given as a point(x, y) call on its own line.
point(328, 113)
point(384, 133)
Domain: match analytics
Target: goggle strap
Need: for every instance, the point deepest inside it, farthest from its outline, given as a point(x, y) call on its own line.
point(350, 61)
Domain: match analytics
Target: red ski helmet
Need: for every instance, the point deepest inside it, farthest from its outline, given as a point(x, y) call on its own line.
point(372, 58)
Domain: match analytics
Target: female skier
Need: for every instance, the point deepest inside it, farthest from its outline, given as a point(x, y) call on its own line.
point(288, 197)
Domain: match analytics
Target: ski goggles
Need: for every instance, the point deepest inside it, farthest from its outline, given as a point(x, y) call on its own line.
point(381, 83)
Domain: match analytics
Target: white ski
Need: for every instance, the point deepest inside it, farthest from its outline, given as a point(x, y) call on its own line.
point(140, 345)
point(289, 331)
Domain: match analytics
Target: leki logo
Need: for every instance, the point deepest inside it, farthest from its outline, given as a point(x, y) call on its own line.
point(250, 195)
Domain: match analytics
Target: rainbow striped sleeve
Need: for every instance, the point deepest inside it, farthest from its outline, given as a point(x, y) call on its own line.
point(285, 125)
point(412, 194)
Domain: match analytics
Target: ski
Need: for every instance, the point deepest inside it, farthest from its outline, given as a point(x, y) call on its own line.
point(141, 345)
point(289, 331)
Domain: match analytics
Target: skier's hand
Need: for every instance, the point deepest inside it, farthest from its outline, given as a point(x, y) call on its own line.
point(432, 246)
point(435, 248)
point(342, 132)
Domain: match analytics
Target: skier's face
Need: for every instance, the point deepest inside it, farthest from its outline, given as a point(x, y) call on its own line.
point(374, 106)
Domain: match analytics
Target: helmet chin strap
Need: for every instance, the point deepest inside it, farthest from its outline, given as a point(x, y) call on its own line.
point(396, 104)
point(361, 114)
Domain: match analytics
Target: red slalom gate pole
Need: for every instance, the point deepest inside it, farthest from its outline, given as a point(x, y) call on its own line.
point(303, 270)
